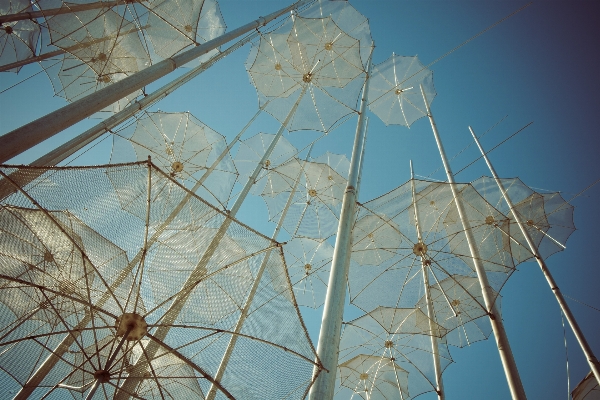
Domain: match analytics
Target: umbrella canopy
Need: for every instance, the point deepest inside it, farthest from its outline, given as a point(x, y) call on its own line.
point(398, 280)
point(18, 39)
point(184, 146)
point(394, 92)
point(399, 335)
point(313, 63)
point(309, 262)
point(317, 185)
point(112, 300)
point(547, 217)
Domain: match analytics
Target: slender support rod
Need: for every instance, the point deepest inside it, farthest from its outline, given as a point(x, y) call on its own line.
point(131, 383)
point(506, 356)
point(62, 10)
point(27, 136)
point(244, 314)
point(333, 311)
point(430, 311)
point(587, 350)
point(45, 56)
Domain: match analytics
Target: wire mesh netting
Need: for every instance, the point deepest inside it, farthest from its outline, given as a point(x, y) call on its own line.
point(100, 295)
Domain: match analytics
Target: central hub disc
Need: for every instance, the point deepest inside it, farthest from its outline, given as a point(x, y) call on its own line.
point(8, 29)
point(177, 166)
point(268, 163)
point(388, 344)
point(104, 79)
point(102, 376)
point(398, 91)
point(188, 28)
point(102, 57)
point(132, 323)
point(307, 77)
point(455, 303)
point(307, 268)
point(277, 67)
point(312, 192)
point(530, 222)
point(328, 46)
point(364, 376)
point(48, 256)
point(420, 249)
point(489, 220)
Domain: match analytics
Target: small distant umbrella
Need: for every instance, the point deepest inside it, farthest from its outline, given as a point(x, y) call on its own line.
point(394, 92)
point(18, 39)
point(374, 378)
point(309, 261)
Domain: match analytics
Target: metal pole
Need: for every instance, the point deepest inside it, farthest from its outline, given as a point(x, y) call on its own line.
point(51, 54)
point(27, 136)
point(508, 361)
point(333, 311)
point(62, 10)
point(430, 311)
point(587, 350)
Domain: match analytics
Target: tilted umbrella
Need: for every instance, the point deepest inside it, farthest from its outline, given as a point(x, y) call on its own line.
point(401, 336)
point(309, 261)
point(398, 281)
point(547, 217)
point(317, 201)
point(182, 145)
point(395, 94)
point(110, 334)
point(18, 39)
point(312, 65)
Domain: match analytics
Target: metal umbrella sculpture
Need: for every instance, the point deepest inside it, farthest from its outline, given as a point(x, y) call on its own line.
point(311, 70)
point(308, 262)
point(396, 89)
point(111, 302)
point(544, 221)
point(185, 147)
point(397, 337)
point(18, 39)
point(317, 202)
point(98, 57)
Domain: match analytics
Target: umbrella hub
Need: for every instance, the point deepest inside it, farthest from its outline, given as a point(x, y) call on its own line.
point(188, 28)
point(48, 257)
point(455, 303)
point(267, 163)
point(277, 67)
point(104, 79)
point(330, 177)
point(364, 376)
point(102, 376)
point(307, 268)
point(328, 46)
point(177, 166)
point(132, 326)
point(420, 249)
point(102, 57)
point(312, 192)
point(490, 220)
point(8, 30)
point(307, 77)
point(398, 91)
point(388, 344)
point(530, 222)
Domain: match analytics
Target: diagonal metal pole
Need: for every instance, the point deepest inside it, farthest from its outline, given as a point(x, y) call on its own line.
point(62, 10)
point(587, 350)
point(433, 331)
point(27, 136)
point(333, 311)
point(508, 361)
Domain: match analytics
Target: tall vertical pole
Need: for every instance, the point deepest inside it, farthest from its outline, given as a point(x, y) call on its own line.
point(433, 331)
point(333, 311)
point(508, 361)
point(587, 350)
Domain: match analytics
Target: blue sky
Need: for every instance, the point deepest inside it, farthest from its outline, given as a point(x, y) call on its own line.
point(540, 65)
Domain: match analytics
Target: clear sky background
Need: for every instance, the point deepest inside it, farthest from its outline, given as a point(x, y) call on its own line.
point(541, 65)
